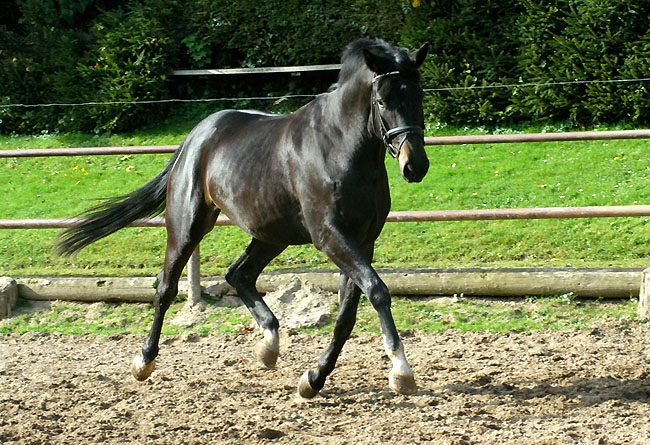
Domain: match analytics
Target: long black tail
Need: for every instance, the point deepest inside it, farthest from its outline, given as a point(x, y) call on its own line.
point(116, 213)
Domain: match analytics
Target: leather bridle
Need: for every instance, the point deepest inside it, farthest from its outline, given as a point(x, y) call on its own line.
point(388, 135)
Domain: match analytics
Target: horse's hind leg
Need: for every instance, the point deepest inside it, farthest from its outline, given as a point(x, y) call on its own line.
point(242, 275)
point(186, 226)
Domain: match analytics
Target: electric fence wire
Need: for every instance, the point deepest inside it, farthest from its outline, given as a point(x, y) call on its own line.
point(307, 96)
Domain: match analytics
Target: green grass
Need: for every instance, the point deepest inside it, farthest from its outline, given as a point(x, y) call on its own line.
point(114, 318)
point(497, 316)
point(460, 177)
point(412, 316)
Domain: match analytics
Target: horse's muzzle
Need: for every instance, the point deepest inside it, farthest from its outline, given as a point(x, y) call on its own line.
point(413, 162)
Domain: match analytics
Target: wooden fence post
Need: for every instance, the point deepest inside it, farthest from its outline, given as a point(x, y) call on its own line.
point(194, 278)
point(644, 296)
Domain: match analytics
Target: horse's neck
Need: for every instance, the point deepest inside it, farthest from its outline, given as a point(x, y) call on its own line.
point(351, 103)
point(351, 106)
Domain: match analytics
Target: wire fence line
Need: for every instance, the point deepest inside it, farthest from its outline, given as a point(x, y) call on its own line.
point(307, 96)
point(545, 84)
point(160, 101)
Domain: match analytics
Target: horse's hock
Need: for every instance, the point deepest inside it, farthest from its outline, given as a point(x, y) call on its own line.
point(8, 296)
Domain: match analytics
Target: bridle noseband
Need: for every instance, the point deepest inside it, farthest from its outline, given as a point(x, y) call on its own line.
point(387, 135)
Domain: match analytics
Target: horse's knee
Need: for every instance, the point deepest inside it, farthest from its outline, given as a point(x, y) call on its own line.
point(230, 275)
point(158, 280)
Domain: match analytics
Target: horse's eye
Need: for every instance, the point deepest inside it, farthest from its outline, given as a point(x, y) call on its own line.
point(380, 103)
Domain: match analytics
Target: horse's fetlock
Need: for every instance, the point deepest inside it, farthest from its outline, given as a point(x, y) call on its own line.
point(273, 324)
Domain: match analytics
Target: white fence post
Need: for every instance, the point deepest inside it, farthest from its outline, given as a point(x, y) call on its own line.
point(194, 278)
point(644, 296)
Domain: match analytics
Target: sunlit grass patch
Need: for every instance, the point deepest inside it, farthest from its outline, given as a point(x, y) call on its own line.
point(412, 316)
point(553, 174)
point(426, 315)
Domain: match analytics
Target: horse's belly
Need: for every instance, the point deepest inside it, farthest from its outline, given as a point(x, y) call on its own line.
point(270, 217)
point(281, 233)
point(285, 230)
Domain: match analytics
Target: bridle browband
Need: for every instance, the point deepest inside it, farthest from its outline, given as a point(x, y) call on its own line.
point(387, 135)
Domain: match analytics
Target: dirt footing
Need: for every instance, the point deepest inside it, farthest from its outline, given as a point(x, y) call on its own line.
point(516, 388)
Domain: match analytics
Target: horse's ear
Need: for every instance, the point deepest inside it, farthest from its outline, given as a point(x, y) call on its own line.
point(418, 55)
point(377, 60)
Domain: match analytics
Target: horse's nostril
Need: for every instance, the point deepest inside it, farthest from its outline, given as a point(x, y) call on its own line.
point(412, 173)
point(408, 172)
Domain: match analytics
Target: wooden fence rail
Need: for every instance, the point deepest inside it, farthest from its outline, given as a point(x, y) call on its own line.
point(405, 216)
point(398, 216)
point(430, 140)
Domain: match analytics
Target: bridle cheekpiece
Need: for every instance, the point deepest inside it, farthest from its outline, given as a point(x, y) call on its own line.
point(388, 135)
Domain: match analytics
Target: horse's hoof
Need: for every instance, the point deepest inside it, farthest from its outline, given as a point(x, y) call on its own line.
point(304, 388)
point(403, 384)
point(140, 370)
point(266, 354)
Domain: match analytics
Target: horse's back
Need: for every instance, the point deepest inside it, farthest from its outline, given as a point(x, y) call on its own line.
point(241, 126)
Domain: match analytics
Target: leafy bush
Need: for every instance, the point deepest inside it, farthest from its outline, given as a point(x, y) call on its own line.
point(75, 51)
point(41, 42)
point(123, 55)
point(472, 44)
point(588, 40)
point(482, 43)
point(250, 33)
point(127, 62)
point(69, 51)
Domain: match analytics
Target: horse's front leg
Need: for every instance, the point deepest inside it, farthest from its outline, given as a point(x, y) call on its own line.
point(312, 381)
point(354, 263)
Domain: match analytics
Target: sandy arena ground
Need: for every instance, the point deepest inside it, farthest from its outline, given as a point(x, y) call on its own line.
point(531, 388)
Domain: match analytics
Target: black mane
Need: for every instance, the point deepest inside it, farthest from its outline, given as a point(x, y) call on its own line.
point(352, 60)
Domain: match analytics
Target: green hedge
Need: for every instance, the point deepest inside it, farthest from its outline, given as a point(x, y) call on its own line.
point(473, 43)
point(487, 43)
point(99, 50)
point(86, 55)
point(250, 33)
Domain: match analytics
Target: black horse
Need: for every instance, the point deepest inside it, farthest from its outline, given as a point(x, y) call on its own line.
point(315, 176)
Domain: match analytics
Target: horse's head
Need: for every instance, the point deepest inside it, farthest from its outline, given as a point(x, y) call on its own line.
point(396, 106)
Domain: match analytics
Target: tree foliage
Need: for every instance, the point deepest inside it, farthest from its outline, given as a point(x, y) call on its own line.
point(74, 51)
